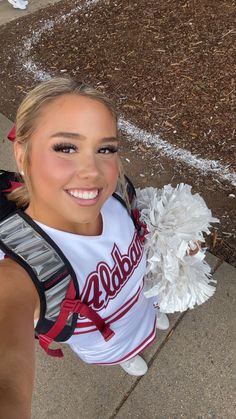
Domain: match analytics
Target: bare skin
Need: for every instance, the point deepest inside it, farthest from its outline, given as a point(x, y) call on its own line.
point(193, 252)
point(18, 301)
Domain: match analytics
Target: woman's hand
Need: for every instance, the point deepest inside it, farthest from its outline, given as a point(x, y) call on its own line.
point(193, 252)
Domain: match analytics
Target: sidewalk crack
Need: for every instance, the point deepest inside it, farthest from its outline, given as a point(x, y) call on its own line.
point(134, 385)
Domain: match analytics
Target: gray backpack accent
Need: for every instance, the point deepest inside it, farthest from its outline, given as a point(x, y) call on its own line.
point(35, 253)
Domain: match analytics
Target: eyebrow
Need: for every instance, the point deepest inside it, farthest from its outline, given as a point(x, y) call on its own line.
point(77, 136)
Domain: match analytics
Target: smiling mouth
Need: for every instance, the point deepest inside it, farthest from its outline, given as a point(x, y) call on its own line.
point(85, 195)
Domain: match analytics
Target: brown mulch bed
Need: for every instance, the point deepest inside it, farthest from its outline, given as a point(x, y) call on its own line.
point(169, 66)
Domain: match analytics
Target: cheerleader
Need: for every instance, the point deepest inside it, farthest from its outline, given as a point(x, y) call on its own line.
point(67, 153)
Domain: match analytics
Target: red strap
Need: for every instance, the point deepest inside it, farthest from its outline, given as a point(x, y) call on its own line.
point(76, 306)
point(44, 342)
point(68, 306)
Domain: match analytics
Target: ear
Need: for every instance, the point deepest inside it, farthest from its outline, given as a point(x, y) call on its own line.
point(19, 155)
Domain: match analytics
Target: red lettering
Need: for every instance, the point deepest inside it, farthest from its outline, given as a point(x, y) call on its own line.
point(92, 294)
point(105, 283)
point(103, 273)
point(116, 278)
point(123, 262)
point(134, 253)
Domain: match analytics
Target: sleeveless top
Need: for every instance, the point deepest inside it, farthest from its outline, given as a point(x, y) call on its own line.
point(110, 270)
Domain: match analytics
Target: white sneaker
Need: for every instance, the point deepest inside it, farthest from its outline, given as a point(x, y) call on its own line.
point(162, 321)
point(17, 4)
point(135, 366)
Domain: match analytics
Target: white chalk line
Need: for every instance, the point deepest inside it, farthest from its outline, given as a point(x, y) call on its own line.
point(133, 132)
point(38, 72)
point(166, 149)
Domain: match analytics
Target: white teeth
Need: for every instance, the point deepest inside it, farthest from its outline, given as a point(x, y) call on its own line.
point(84, 194)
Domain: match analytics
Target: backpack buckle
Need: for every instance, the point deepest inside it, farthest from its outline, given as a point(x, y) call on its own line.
point(72, 306)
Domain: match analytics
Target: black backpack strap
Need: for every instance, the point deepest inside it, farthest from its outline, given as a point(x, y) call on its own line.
point(131, 193)
point(6, 178)
point(8, 181)
point(55, 280)
point(26, 243)
point(135, 214)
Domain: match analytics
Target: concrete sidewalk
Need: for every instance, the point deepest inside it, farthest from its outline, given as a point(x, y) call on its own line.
point(190, 368)
point(190, 371)
point(8, 13)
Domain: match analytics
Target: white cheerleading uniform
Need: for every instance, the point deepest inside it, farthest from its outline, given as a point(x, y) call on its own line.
point(110, 270)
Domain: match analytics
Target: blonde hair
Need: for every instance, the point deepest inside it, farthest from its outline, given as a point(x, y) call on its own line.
point(26, 121)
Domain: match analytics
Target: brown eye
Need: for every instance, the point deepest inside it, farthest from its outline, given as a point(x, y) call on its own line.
point(65, 148)
point(108, 149)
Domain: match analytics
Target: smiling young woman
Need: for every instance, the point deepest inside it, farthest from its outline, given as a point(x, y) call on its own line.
point(66, 148)
point(74, 164)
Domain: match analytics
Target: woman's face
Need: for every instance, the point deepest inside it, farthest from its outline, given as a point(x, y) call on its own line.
point(73, 164)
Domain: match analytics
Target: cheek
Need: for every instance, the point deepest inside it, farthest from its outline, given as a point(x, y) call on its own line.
point(112, 171)
point(49, 168)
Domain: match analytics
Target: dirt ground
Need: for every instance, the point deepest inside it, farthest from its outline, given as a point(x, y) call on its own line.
point(170, 68)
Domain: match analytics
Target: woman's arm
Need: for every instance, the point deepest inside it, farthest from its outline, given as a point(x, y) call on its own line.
point(18, 300)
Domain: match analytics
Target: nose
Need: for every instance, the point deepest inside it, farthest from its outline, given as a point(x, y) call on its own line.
point(87, 166)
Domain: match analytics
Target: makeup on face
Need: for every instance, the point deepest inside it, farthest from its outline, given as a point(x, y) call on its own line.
point(74, 162)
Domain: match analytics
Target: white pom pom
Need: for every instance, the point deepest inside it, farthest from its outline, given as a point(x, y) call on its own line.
point(176, 220)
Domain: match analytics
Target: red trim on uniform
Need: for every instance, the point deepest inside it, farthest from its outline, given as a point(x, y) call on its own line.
point(125, 311)
point(111, 321)
point(82, 332)
point(135, 351)
point(130, 303)
point(119, 316)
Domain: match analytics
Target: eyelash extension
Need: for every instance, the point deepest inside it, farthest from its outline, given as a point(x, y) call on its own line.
point(64, 146)
point(112, 149)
